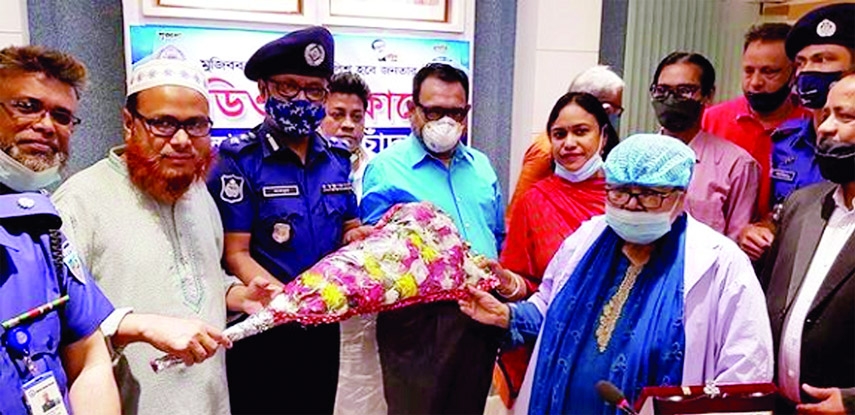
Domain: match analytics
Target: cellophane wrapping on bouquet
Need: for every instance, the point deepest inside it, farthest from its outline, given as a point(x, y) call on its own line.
point(414, 255)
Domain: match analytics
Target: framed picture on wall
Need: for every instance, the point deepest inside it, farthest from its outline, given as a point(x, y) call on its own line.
point(430, 15)
point(271, 11)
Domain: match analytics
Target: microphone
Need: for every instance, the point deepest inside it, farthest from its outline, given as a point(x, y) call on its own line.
point(611, 394)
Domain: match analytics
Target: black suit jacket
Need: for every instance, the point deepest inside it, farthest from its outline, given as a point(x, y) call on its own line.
point(828, 337)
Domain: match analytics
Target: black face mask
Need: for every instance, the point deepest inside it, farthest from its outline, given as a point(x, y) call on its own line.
point(676, 114)
point(836, 161)
point(813, 87)
point(766, 102)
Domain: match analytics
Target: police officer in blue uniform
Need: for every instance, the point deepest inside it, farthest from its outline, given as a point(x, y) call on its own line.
point(821, 44)
point(52, 352)
point(38, 268)
point(285, 201)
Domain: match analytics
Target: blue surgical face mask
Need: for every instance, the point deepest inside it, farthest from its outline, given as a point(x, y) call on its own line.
point(813, 87)
point(638, 227)
point(589, 169)
point(296, 118)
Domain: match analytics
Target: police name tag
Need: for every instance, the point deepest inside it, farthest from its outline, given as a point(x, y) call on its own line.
point(336, 187)
point(785, 175)
point(281, 191)
point(43, 396)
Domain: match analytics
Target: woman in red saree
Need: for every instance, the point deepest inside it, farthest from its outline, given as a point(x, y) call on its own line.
point(580, 133)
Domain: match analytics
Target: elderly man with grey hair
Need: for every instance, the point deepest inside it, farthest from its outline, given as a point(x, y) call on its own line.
point(599, 81)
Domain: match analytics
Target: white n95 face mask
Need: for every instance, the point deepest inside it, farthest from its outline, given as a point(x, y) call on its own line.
point(442, 135)
point(21, 178)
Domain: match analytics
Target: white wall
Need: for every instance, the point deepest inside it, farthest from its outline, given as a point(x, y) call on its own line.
point(556, 40)
point(13, 23)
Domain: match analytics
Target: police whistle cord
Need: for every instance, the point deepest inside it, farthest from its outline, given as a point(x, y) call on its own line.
point(34, 313)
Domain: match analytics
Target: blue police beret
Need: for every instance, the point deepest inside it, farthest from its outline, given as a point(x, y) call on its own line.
point(306, 52)
point(830, 25)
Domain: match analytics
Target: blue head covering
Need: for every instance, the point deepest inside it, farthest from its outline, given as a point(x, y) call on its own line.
point(650, 160)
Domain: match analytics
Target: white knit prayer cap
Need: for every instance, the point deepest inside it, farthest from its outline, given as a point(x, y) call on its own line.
point(167, 66)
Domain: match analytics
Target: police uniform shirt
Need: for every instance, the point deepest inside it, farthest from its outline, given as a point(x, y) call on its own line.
point(793, 161)
point(295, 213)
point(27, 280)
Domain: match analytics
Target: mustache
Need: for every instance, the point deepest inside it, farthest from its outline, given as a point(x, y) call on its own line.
point(148, 172)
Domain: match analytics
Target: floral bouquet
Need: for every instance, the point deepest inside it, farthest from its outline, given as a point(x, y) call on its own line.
point(414, 255)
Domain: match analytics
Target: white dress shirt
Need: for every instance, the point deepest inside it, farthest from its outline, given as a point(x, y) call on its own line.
point(837, 232)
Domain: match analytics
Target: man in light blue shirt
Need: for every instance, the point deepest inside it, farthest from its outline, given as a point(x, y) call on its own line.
point(435, 360)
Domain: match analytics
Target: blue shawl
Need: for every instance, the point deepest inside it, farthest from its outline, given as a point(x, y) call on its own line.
point(646, 347)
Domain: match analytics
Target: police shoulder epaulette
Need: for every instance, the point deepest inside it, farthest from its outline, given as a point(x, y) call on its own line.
point(33, 208)
point(239, 143)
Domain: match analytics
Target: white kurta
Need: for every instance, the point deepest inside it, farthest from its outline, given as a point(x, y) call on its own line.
point(156, 258)
point(728, 335)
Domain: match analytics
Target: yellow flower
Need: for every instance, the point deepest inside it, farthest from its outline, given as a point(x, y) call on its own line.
point(417, 240)
point(428, 254)
point(406, 285)
point(312, 279)
point(373, 267)
point(333, 297)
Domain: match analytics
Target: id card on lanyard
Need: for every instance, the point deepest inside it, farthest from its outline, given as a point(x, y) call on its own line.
point(43, 396)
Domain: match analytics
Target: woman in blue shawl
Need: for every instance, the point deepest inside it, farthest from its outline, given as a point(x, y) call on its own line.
point(616, 306)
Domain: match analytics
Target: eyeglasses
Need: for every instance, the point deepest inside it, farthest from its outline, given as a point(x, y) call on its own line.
point(167, 126)
point(649, 199)
point(437, 113)
point(32, 109)
point(289, 90)
point(685, 91)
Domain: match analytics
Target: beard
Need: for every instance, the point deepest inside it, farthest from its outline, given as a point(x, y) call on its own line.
point(163, 183)
point(36, 162)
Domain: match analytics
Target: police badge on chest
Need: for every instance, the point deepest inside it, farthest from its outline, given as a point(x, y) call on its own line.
point(281, 232)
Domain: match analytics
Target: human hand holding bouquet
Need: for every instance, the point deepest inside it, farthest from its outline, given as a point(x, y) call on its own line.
point(414, 255)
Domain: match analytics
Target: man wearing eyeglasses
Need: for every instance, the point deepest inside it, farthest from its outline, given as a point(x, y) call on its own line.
point(434, 359)
point(286, 201)
point(723, 190)
point(58, 350)
point(149, 230)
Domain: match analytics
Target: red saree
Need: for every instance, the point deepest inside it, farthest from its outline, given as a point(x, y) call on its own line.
point(545, 216)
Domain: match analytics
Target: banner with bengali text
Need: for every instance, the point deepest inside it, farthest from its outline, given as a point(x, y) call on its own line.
point(387, 63)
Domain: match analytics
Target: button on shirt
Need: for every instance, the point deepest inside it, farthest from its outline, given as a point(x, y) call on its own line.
point(27, 280)
point(468, 190)
point(295, 213)
point(838, 230)
point(793, 162)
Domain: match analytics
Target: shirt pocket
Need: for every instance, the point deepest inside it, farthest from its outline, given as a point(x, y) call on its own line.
point(282, 219)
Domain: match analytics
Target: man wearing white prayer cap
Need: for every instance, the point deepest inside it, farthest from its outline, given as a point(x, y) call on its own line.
point(148, 229)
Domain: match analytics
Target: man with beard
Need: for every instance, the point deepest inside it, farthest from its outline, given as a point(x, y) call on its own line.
point(150, 232)
point(822, 45)
point(723, 191)
point(435, 360)
point(286, 202)
point(767, 102)
point(810, 272)
point(57, 351)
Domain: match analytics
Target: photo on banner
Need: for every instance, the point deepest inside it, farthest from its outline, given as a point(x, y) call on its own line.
point(386, 63)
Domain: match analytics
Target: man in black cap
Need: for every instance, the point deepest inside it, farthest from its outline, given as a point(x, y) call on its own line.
point(285, 200)
point(822, 45)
